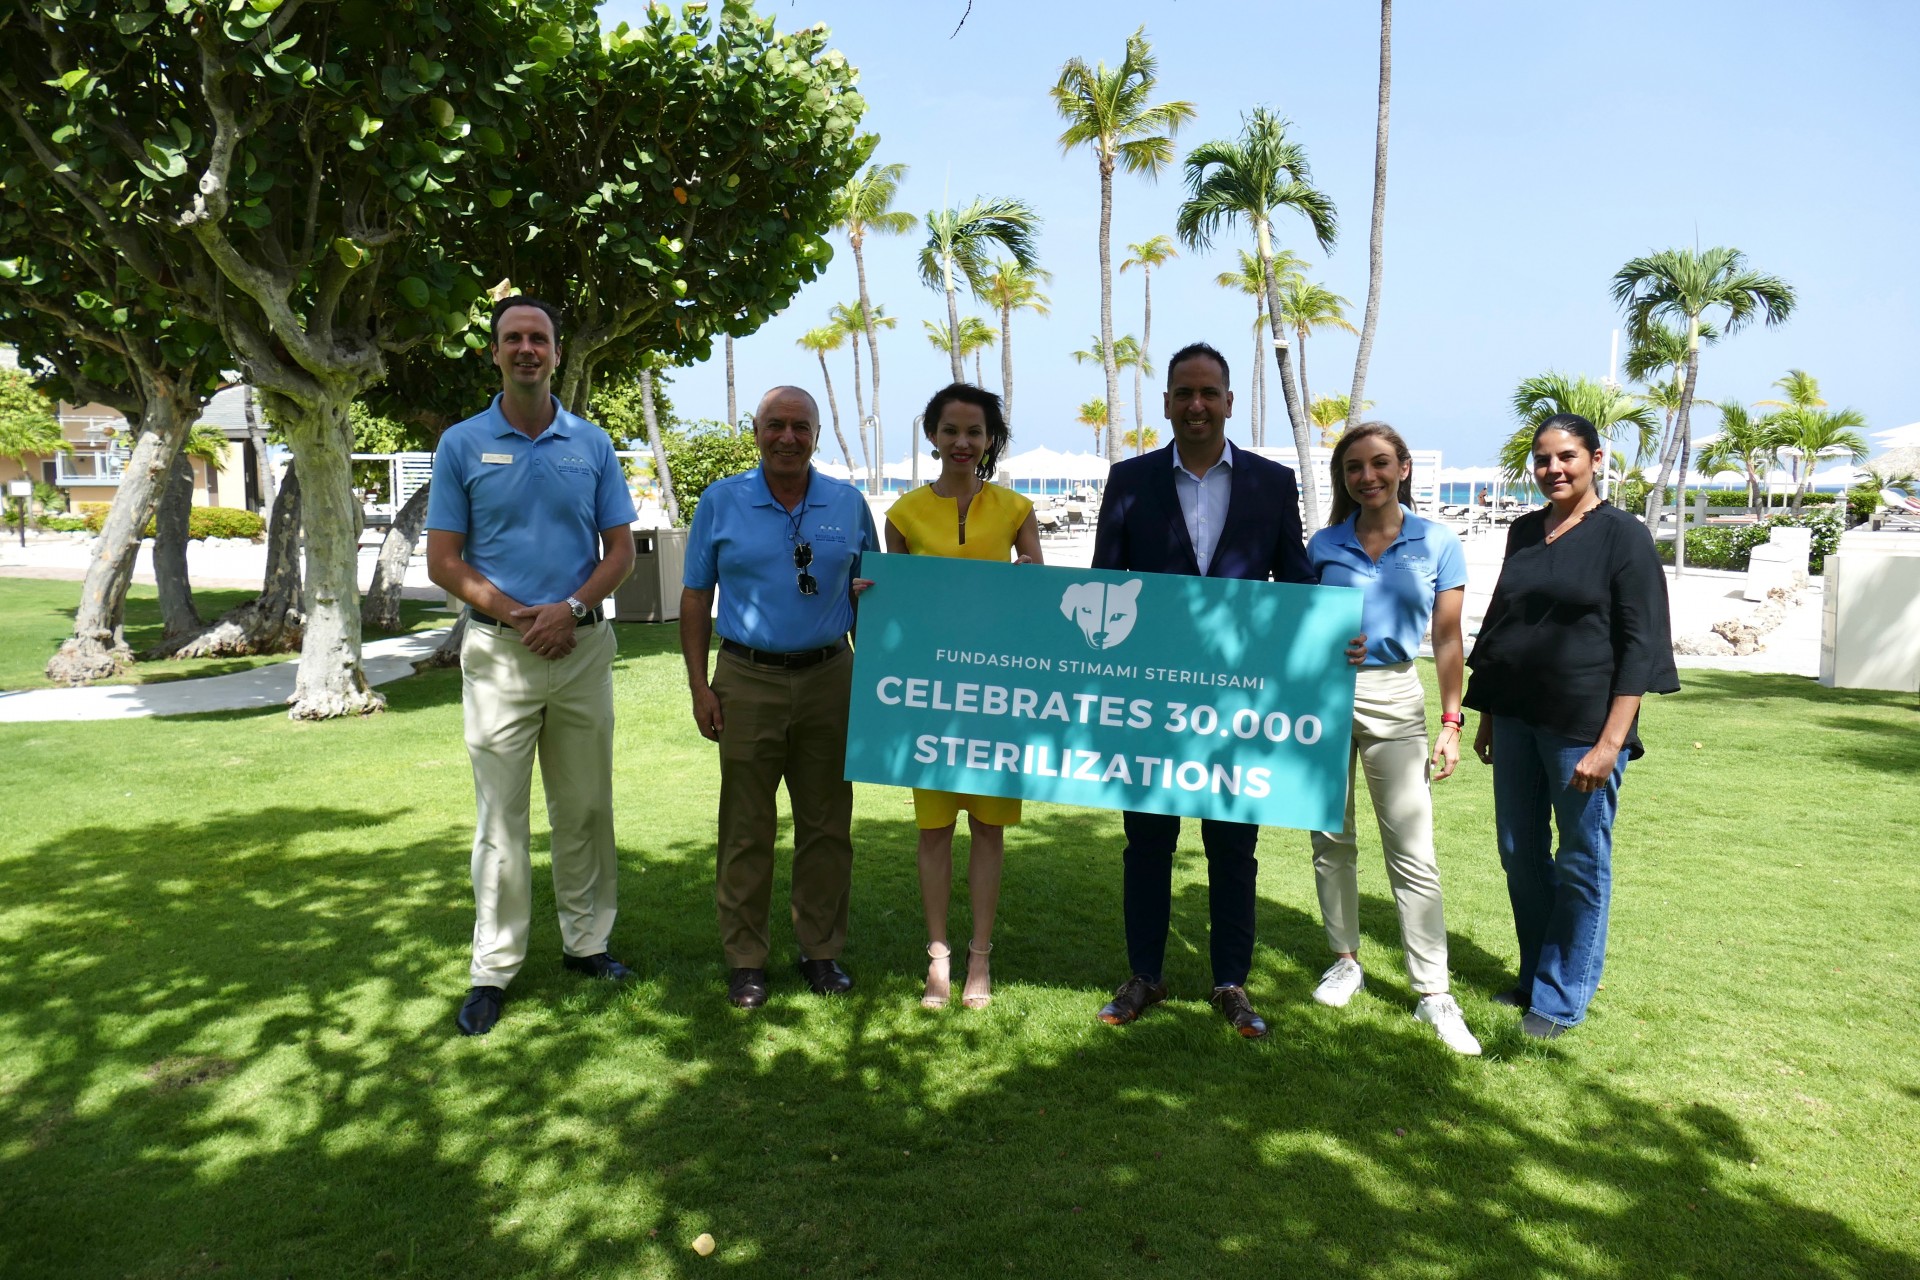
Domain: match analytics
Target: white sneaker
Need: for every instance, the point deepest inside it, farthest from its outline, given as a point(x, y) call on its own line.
point(1442, 1012)
point(1338, 984)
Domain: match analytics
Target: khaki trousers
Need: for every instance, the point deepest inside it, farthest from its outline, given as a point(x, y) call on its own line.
point(519, 705)
point(1390, 744)
point(791, 725)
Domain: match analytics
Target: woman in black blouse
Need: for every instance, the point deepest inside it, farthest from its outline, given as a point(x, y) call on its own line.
point(1575, 634)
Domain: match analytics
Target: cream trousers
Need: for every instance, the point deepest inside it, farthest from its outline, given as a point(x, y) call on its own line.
point(519, 705)
point(1390, 745)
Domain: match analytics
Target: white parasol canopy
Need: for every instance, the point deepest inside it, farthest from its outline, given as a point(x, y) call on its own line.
point(1043, 463)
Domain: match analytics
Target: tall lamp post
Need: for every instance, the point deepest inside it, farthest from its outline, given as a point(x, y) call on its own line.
point(876, 482)
point(20, 491)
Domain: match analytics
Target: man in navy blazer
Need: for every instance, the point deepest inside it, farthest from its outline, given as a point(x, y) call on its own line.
point(1198, 506)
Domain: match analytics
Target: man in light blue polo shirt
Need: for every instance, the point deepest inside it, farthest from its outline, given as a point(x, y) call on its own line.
point(529, 522)
point(782, 544)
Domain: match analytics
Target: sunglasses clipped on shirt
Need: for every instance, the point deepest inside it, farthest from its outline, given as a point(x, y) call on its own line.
point(802, 557)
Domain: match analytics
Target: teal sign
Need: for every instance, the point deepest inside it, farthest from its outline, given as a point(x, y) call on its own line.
point(1203, 697)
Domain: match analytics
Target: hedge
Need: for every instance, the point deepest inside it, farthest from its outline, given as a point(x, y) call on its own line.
point(1730, 546)
point(202, 522)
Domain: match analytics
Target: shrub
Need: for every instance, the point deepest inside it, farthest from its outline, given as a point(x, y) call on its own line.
point(1730, 547)
point(708, 454)
point(202, 522)
point(63, 524)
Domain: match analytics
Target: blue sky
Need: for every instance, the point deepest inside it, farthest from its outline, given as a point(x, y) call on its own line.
point(1535, 148)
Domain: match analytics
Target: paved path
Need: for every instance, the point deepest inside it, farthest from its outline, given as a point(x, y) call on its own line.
point(265, 686)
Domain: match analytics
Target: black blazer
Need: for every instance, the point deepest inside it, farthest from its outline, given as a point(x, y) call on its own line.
point(1141, 528)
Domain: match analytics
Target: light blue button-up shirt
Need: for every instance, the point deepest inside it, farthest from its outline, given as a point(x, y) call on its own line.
point(1401, 585)
point(1203, 502)
point(742, 541)
point(531, 510)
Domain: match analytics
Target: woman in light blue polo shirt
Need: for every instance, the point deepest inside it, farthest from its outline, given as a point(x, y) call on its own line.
point(1414, 575)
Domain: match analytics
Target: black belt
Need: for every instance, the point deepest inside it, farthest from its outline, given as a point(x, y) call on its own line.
point(592, 617)
point(790, 661)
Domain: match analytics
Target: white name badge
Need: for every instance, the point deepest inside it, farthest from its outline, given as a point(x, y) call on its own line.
point(496, 457)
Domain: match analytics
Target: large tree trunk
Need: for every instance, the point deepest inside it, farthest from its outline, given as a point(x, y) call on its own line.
point(733, 401)
point(1259, 388)
point(1375, 241)
point(271, 621)
point(833, 406)
point(331, 682)
point(178, 616)
point(871, 449)
point(1146, 347)
point(866, 319)
point(381, 608)
point(660, 471)
point(1106, 309)
point(1296, 415)
point(447, 653)
point(97, 649)
point(257, 437)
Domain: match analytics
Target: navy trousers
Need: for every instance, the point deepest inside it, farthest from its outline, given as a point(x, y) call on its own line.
point(1231, 872)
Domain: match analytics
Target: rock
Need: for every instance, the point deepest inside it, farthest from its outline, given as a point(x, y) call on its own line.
point(1706, 646)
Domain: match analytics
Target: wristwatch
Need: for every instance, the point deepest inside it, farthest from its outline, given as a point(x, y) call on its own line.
point(579, 610)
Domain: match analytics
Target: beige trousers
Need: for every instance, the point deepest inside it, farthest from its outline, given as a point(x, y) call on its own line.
point(789, 725)
point(519, 705)
point(1390, 745)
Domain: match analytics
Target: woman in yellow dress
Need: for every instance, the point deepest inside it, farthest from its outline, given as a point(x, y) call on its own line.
point(961, 514)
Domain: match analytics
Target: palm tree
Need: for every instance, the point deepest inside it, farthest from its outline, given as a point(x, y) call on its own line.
point(857, 320)
point(1664, 396)
point(1329, 413)
point(975, 333)
point(1108, 109)
point(1146, 255)
point(1008, 288)
point(1307, 306)
point(865, 205)
point(1249, 179)
point(828, 337)
point(1801, 389)
point(1141, 439)
point(1658, 358)
point(1811, 433)
point(1745, 444)
point(957, 241)
point(1376, 260)
point(1610, 409)
point(1682, 285)
point(1094, 414)
point(733, 404)
point(1126, 355)
point(1251, 279)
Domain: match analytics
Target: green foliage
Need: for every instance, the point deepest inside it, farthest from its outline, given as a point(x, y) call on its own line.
point(1615, 414)
point(1862, 501)
point(202, 522)
point(63, 524)
point(1729, 546)
point(686, 173)
point(617, 408)
point(28, 425)
point(51, 497)
point(710, 451)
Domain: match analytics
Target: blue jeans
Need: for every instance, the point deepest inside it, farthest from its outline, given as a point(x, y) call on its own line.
point(1559, 898)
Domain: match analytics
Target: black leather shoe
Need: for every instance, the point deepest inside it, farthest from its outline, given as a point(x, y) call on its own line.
point(1135, 996)
point(602, 966)
point(1234, 1006)
point(826, 977)
point(747, 988)
point(1542, 1028)
point(479, 1011)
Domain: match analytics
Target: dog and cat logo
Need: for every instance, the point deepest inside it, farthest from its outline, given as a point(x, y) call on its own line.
point(1105, 613)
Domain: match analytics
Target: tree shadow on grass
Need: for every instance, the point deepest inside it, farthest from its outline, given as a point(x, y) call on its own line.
point(1710, 685)
point(230, 1050)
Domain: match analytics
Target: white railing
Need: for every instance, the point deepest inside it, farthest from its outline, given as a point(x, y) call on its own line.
point(88, 466)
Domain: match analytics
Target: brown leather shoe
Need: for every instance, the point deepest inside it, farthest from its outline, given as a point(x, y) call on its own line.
point(1135, 996)
point(747, 988)
point(1234, 1006)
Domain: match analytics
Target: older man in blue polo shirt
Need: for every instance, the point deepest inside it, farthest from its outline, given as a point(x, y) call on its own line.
point(782, 544)
point(530, 523)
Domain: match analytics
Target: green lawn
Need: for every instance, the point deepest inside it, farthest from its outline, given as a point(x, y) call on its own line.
point(231, 947)
point(37, 614)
